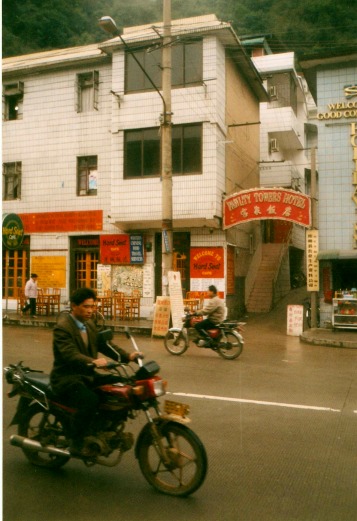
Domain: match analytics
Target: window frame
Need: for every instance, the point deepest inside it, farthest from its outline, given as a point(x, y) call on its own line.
point(143, 57)
point(83, 171)
point(13, 93)
point(141, 145)
point(88, 79)
point(16, 174)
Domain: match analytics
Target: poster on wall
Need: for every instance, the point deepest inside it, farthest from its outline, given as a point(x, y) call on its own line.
point(207, 268)
point(148, 280)
point(127, 278)
point(51, 271)
point(104, 279)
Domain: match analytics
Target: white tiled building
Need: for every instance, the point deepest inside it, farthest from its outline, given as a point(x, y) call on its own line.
point(81, 158)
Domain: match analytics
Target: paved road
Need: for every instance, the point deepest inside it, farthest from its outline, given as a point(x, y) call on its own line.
point(279, 425)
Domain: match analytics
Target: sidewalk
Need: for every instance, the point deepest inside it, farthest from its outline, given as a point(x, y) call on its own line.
point(330, 337)
point(321, 337)
point(137, 327)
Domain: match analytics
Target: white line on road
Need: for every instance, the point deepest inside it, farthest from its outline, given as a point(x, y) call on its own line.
point(257, 402)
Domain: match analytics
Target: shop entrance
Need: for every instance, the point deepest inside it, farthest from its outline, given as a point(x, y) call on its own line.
point(344, 274)
point(84, 259)
point(15, 270)
point(181, 260)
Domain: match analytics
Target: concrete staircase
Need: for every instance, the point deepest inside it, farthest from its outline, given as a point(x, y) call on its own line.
point(261, 297)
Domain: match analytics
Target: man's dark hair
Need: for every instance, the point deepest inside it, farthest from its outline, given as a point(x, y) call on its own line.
point(82, 294)
point(213, 289)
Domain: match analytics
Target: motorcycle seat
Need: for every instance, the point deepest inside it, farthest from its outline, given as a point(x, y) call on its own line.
point(40, 380)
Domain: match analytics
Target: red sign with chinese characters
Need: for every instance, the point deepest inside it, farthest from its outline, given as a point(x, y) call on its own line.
point(266, 203)
point(76, 221)
point(115, 249)
point(207, 263)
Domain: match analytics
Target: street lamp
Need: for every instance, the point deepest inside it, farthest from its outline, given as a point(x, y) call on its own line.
point(109, 25)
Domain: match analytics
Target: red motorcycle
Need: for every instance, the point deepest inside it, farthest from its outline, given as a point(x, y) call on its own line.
point(171, 456)
point(225, 338)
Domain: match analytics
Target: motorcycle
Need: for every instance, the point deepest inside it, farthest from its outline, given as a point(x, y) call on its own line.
point(171, 456)
point(225, 338)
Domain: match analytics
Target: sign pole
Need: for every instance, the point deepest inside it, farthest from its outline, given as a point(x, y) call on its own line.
point(314, 223)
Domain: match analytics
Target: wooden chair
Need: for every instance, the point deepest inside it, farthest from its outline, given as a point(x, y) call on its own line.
point(21, 300)
point(132, 308)
point(118, 307)
point(55, 301)
point(42, 303)
point(105, 306)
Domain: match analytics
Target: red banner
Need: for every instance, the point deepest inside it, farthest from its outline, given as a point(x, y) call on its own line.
point(76, 221)
point(207, 263)
point(266, 203)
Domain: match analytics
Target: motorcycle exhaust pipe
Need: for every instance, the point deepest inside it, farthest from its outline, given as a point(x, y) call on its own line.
point(35, 446)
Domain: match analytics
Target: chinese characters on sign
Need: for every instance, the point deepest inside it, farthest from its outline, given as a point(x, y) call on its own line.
point(161, 316)
point(312, 268)
point(295, 321)
point(266, 203)
point(121, 249)
point(76, 221)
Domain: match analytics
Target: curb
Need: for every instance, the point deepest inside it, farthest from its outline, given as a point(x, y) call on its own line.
point(324, 337)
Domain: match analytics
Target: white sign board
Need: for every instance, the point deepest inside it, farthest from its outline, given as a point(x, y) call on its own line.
point(295, 320)
point(312, 267)
point(176, 298)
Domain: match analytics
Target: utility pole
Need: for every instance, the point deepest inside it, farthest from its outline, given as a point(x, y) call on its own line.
point(166, 150)
point(314, 226)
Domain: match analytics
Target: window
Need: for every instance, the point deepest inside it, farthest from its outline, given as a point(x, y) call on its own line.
point(142, 151)
point(186, 67)
point(87, 91)
point(87, 174)
point(187, 149)
point(11, 185)
point(282, 90)
point(13, 98)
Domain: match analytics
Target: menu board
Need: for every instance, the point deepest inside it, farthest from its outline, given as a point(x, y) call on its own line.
point(161, 319)
point(295, 320)
point(176, 299)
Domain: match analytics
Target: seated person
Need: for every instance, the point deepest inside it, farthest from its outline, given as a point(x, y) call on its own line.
point(214, 309)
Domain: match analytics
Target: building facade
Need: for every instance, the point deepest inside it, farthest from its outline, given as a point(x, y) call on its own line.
point(334, 84)
point(81, 162)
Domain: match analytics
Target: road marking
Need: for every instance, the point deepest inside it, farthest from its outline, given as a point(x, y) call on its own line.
point(257, 402)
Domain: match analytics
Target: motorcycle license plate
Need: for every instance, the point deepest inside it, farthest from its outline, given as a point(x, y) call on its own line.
point(177, 408)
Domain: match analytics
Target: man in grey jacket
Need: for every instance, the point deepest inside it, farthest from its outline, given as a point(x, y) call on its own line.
point(214, 309)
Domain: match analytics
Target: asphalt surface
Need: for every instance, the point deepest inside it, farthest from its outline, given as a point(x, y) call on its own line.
point(279, 425)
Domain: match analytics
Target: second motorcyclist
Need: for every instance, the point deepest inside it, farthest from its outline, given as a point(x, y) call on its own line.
point(215, 311)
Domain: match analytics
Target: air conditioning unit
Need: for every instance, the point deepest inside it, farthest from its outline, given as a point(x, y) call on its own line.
point(273, 145)
point(273, 92)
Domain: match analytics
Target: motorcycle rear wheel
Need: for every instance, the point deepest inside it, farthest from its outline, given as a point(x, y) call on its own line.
point(37, 424)
point(175, 343)
point(187, 466)
point(232, 348)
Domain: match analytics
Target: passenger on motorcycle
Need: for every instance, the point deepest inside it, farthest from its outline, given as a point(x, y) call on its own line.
point(214, 309)
point(75, 345)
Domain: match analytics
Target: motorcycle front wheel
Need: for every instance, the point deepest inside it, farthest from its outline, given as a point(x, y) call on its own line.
point(39, 425)
point(186, 465)
point(175, 343)
point(232, 347)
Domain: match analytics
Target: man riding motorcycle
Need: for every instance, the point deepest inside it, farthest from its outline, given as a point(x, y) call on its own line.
point(75, 345)
point(214, 309)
